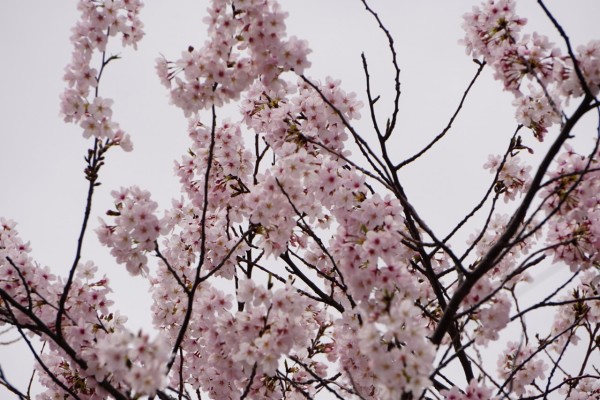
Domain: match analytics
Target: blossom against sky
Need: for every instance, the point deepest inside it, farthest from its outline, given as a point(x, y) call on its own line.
point(41, 157)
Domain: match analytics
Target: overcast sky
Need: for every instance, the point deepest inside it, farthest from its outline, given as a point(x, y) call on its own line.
point(41, 158)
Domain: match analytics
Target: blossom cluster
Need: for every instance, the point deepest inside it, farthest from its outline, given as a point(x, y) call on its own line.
point(586, 389)
point(399, 355)
point(80, 103)
point(520, 367)
point(308, 186)
point(21, 279)
point(307, 138)
point(489, 302)
point(493, 31)
point(491, 309)
point(226, 351)
point(135, 359)
point(247, 41)
point(513, 175)
point(309, 177)
point(89, 327)
point(129, 363)
point(580, 310)
point(135, 231)
point(223, 191)
point(572, 198)
point(474, 391)
point(492, 318)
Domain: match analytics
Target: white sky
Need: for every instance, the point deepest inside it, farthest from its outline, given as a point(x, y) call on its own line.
point(41, 158)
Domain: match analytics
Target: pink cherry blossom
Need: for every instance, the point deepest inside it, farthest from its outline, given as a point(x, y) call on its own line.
point(295, 261)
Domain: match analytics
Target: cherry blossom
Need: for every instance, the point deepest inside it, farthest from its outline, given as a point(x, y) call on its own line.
point(227, 64)
point(99, 21)
point(520, 367)
point(473, 391)
point(576, 205)
point(294, 263)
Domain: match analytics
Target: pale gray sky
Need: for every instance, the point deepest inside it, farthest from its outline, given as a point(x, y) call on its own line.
point(41, 158)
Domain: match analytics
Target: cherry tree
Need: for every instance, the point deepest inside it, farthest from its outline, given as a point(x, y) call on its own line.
point(294, 263)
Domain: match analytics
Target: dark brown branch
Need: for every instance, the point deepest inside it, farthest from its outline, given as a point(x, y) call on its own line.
point(4, 382)
point(170, 268)
point(322, 295)
point(94, 160)
point(191, 294)
point(45, 367)
point(391, 122)
point(250, 380)
point(24, 281)
point(450, 122)
point(314, 375)
point(370, 95)
point(306, 228)
point(224, 260)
